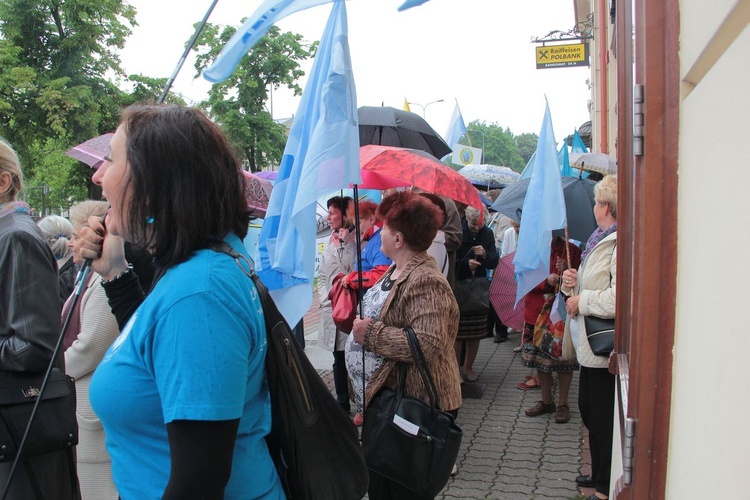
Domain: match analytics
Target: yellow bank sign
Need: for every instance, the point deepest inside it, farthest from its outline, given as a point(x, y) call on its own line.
point(562, 56)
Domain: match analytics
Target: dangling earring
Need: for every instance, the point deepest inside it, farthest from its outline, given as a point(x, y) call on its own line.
point(150, 219)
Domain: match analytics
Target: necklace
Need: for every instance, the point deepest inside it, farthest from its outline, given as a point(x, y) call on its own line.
point(388, 282)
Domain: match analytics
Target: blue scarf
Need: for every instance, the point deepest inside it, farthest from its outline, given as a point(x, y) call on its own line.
point(14, 207)
point(595, 238)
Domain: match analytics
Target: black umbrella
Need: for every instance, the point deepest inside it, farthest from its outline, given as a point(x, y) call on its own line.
point(579, 204)
point(387, 126)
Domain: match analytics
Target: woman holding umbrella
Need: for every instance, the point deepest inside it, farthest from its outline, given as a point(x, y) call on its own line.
point(591, 292)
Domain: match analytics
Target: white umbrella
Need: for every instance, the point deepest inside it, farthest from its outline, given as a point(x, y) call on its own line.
point(594, 162)
point(490, 176)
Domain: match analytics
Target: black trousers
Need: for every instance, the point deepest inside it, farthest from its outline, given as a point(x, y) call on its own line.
point(596, 401)
point(341, 380)
point(495, 325)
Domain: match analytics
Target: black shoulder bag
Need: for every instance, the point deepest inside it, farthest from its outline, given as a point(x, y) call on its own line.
point(313, 442)
point(38, 413)
point(407, 440)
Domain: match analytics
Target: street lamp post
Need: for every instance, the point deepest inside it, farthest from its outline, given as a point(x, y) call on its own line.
point(424, 108)
point(477, 130)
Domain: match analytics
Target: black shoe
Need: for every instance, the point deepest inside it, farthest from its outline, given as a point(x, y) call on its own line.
point(499, 339)
point(585, 481)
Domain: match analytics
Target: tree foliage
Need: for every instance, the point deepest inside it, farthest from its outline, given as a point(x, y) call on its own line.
point(499, 145)
point(526, 144)
point(57, 58)
point(238, 103)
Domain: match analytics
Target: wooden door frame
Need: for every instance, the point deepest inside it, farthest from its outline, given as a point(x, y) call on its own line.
point(647, 237)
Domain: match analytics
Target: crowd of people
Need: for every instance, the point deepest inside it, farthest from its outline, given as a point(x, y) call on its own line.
point(167, 347)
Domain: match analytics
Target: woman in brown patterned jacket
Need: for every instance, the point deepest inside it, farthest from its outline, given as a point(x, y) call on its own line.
point(414, 293)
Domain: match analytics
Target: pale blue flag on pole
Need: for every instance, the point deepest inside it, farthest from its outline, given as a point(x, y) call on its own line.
point(543, 212)
point(456, 127)
point(526, 173)
point(413, 3)
point(564, 160)
point(321, 156)
point(265, 16)
point(577, 145)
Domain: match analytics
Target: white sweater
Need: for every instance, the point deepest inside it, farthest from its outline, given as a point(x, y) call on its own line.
point(597, 279)
point(98, 331)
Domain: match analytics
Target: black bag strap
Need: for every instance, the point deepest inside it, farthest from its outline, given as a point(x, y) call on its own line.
point(424, 370)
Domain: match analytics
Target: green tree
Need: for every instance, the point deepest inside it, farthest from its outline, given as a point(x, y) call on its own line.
point(526, 144)
point(238, 103)
point(499, 145)
point(148, 89)
point(56, 57)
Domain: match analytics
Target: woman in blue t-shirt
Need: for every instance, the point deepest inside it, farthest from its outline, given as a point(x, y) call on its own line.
point(182, 392)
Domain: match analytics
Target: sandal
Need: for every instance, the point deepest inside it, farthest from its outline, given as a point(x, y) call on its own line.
point(528, 385)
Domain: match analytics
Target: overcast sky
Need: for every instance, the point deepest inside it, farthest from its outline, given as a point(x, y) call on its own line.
point(475, 51)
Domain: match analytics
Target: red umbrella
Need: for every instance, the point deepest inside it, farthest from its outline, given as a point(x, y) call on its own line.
point(257, 194)
point(93, 151)
point(385, 167)
point(503, 294)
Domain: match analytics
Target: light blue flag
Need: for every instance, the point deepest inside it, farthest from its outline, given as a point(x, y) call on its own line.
point(526, 173)
point(577, 145)
point(543, 212)
point(564, 160)
point(456, 127)
point(265, 16)
point(412, 3)
point(321, 156)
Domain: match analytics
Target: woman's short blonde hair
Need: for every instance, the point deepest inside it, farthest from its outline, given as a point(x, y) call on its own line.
point(81, 212)
point(605, 191)
point(9, 163)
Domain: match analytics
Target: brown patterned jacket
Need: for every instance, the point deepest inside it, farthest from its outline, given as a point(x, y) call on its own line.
point(421, 298)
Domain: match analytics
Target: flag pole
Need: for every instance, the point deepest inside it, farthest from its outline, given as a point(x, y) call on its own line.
point(359, 288)
point(185, 53)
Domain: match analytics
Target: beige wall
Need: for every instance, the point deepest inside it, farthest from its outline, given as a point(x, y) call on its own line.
point(710, 433)
point(597, 74)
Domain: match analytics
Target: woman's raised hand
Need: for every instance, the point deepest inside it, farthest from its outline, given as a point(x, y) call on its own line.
point(106, 251)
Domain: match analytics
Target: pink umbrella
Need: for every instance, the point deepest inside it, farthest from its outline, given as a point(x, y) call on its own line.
point(257, 194)
point(267, 174)
point(503, 294)
point(93, 151)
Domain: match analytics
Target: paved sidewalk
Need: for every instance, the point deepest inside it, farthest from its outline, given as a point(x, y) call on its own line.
point(504, 454)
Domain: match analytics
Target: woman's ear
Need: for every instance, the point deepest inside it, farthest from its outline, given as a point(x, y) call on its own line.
point(5, 181)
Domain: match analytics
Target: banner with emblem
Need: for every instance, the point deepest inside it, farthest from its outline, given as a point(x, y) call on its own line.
point(466, 155)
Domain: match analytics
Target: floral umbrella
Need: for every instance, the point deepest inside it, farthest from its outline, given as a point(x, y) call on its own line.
point(385, 167)
point(93, 151)
point(594, 162)
point(489, 176)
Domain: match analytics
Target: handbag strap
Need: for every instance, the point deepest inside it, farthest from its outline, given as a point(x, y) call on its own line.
point(422, 367)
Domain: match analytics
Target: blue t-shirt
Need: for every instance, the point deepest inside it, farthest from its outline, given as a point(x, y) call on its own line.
point(372, 255)
point(194, 350)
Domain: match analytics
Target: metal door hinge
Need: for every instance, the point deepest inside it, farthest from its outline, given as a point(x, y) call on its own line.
point(638, 120)
point(628, 452)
